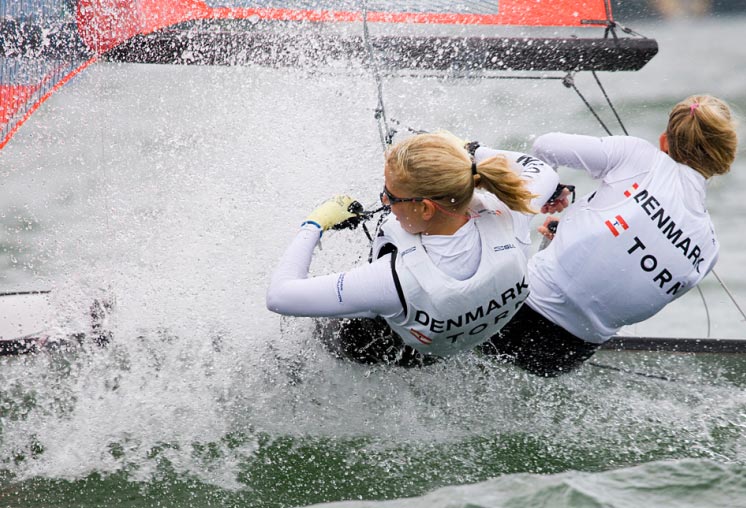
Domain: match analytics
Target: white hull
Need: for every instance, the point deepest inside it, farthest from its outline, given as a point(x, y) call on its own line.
point(27, 320)
point(28, 323)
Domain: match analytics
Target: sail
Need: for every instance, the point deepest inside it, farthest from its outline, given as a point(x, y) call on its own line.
point(47, 42)
point(40, 50)
point(235, 33)
point(104, 24)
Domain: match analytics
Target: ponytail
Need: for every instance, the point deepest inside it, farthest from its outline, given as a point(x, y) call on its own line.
point(494, 175)
point(701, 133)
point(438, 166)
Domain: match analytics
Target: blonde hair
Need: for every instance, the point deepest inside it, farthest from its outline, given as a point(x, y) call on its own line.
point(437, 165)
point(701, 133)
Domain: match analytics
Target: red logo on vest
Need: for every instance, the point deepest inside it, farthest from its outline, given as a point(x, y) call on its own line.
point(421, 337)
point(618, 226)
point(629, 191)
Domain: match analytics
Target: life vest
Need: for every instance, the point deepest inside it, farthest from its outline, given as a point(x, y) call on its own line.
point(443, 316)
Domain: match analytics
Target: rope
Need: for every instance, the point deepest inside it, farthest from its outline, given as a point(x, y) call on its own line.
point(385, 132)
point(659, 377)
point(384, 211)
point(707, 309)
point(730, 295)
point(633, 372)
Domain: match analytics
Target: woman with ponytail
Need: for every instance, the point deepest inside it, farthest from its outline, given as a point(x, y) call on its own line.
point(448, 264)
point(625, 251)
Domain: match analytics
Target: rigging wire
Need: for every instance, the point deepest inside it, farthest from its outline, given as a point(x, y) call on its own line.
point(707, 309)
point(385, 132)
point(730, 295)
point(434, 75)
point(608, 101)
point(103, 167)
point(569, 82)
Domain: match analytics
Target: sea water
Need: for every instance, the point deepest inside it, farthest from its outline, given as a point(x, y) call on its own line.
point(173, 190)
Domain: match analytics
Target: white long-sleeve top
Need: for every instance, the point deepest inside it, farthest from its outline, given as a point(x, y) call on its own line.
point(622, 253)
point(369, 290)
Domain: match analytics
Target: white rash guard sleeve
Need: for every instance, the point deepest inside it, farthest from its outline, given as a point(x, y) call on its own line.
point(575, 151)
point(612, 158)
point(365, 291)
point(618, 161)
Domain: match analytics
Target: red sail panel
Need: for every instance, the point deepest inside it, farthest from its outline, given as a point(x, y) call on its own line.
point(104, 24)
point(40, 50)
point(18, 102)
point(12, 99)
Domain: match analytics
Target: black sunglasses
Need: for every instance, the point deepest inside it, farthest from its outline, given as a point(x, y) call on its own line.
point(393, 199)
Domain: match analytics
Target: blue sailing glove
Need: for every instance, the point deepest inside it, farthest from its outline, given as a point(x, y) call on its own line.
point(338, 212)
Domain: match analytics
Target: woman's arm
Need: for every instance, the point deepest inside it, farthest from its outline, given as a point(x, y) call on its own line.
point(595, 155)
point(365, 291)
point(615, 159)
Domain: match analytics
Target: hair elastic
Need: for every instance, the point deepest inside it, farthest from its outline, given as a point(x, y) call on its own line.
point(693, 107)
point(473, 167)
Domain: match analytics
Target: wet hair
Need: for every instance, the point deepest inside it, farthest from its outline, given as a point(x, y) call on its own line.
point(701, 133)
point(439, 165)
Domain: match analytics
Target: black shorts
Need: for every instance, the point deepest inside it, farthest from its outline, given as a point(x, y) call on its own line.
point(539, 346)
point(529, 341)
point(368, 341)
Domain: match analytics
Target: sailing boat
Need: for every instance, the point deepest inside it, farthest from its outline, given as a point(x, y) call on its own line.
point(45, 48)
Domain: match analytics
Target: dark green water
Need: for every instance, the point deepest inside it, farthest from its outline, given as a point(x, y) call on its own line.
point(591, 428)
